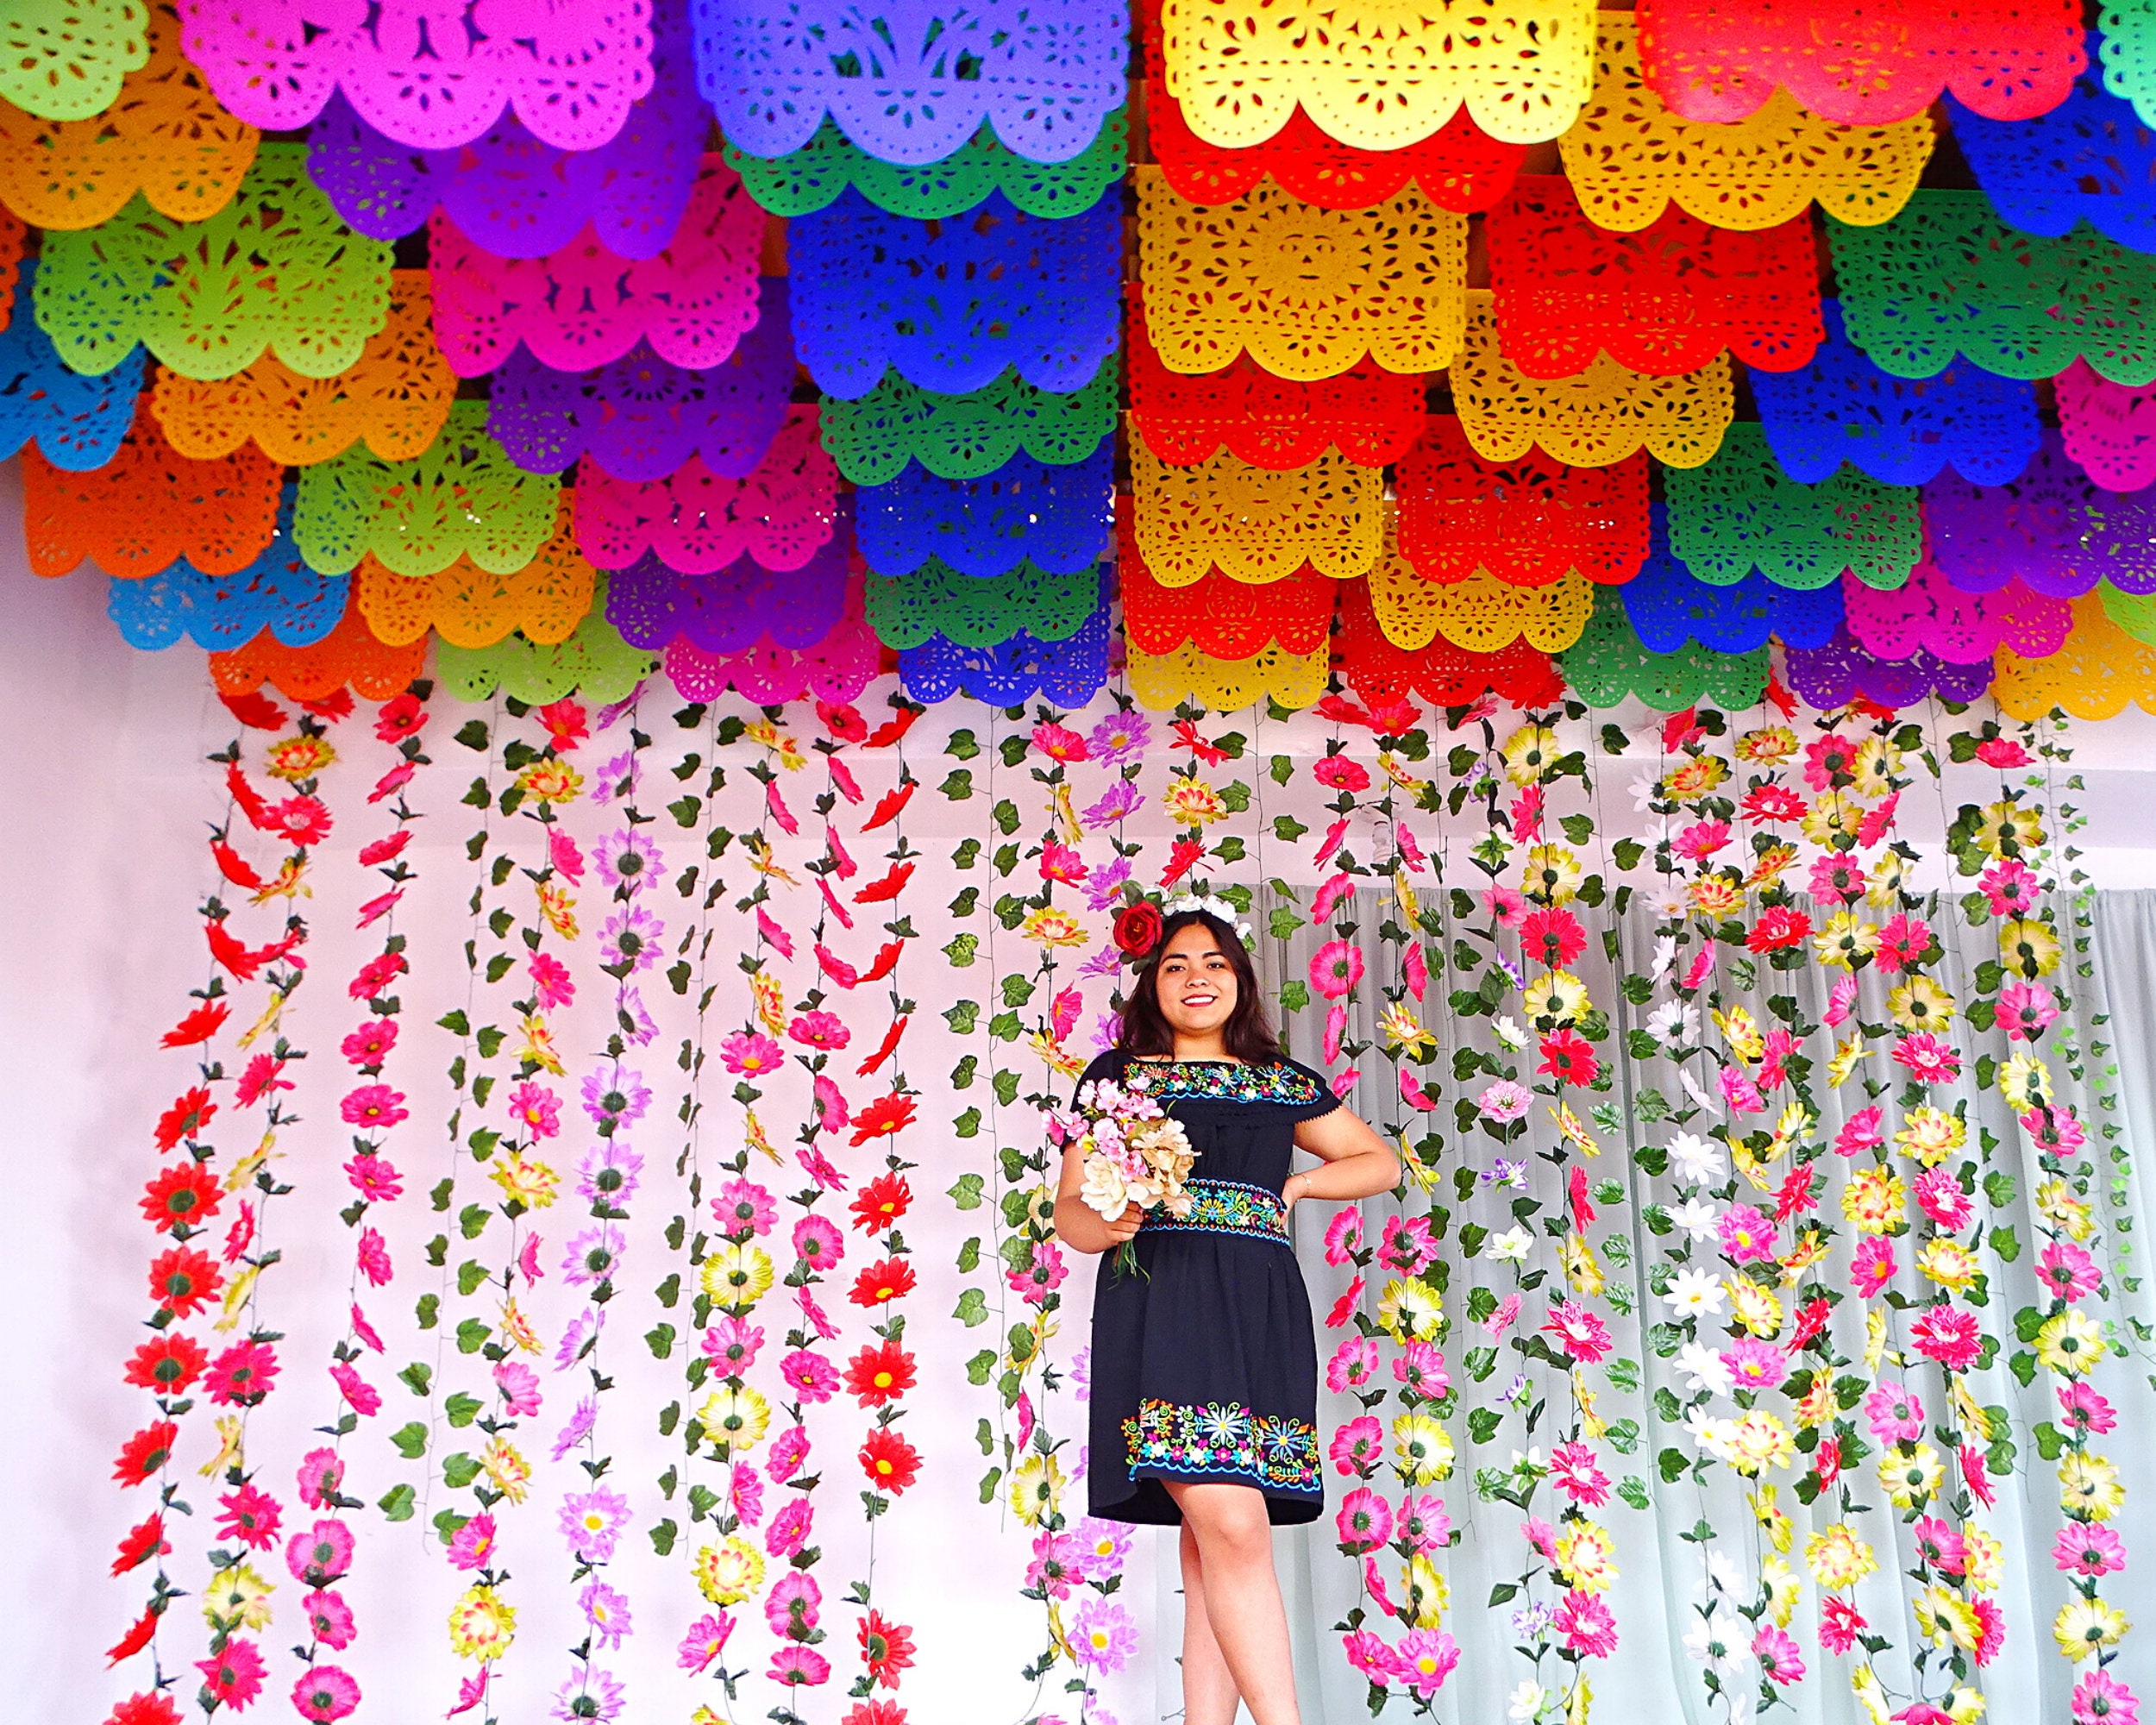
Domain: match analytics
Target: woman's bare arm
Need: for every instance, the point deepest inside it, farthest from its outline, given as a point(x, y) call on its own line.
point(1354, 1162)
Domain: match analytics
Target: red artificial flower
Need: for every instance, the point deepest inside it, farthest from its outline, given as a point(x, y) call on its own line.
point(1796, 1195)
point(1779, 925)
point(1840, 1624)
point(376, 975)
point(136, 1639)
point(565, 724)
point(892, 1279)
point(886, 1048)
point(166, 1363)
point(1553, 938)
point(1811, 1320)
point(250, 1516)
point(842, 721)
point(302, 820)
point(185, 1118)
point(199, 1026)
point(337, 705)
point(396, 719)
point(183, 1280)
point(887, 1648)
point(889, 804)
point(255, 710)
point(144, 1455)
point(1827, 1463)
point(885, 1117)
point(893, 729)
point(383, 849)
point(1182, 857)
point(1339, 773)
point(1186, 734)
point(891, 1463)
point(1138, 928)
point(883, 890)
point(877, 1375)
point(1773, 802)
point(242, 961)
point(881, 1203)
point(243, 1375)
point(875, 1713)
point(1568, 1058)
point(144, 1541)
point(181, 1197)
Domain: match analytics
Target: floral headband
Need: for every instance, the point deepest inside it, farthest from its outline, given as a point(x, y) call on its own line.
point(1140, 923)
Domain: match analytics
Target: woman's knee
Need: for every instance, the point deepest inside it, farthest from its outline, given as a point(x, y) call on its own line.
point(1229, 1524)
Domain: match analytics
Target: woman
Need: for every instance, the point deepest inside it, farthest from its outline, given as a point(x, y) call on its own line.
point(1205, 1364)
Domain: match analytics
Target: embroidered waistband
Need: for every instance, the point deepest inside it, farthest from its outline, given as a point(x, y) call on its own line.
point(1225, 1206)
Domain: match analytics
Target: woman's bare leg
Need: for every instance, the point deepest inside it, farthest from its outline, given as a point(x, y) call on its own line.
point(1209, 1691)
point(1249, 1624)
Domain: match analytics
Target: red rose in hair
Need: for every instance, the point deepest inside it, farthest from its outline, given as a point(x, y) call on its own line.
point(1138, 928)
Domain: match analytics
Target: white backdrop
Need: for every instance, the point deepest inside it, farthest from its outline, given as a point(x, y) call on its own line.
point(108, 794)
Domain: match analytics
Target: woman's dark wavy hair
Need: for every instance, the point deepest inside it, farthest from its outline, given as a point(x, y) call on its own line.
point(1247, 1034)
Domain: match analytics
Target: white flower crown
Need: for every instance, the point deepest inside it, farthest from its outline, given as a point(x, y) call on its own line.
point(1219, 909)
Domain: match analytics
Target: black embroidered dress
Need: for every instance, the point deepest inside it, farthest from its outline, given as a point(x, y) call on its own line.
point(1204, 1366)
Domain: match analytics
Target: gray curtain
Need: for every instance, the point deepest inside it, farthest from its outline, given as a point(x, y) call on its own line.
point(1664, 1575)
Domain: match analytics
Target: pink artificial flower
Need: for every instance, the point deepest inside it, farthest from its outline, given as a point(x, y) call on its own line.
point(1424, 1524)
point(1755, 1364)
point(1344, 1235)
point(2025, 1009)
point(2010, 888)
point(371, 1044)
point(1363, 1522)
point(810, 1376)
point(1058, 1565)
point(1871, 1266)
point(328, 1619)
point(750, 1053)
point(1505, 905)
point(551, 984)
point(472, 1546)
point(1354, 1363)
point(374, 1177)
point(1840, 1624)
point(1357, 1447)
point(1407, 1245)
point(1840, 999)
point(1747, 1236)
point(1421, 1368)
point(374, 1105)
point(1941, 1545)
point(1948, 1334)
point(2101, 1699)
point(1574, 1471)
point(2088, 1548)
point(372, 1255)
point(1939, 1194)
point(1894, 1414)
point(1586, 1624)
point(743, 1210)
point(790, 1528)
point(2085, 1410)
point(1504, 1101)
point(1336, 968)
point(2068, 1272)
point(1425, 1658)
point(1579, 1331)
point(1860, 1132)
point(1701, 840)
point(535, 1108)
point(519, 1387)
point(1778, 1655)
point(1927, 1059)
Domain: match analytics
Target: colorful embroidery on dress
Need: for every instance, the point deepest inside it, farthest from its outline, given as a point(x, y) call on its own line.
point(1279, 1454)
point(1222, 1080)
point(1225, 1206)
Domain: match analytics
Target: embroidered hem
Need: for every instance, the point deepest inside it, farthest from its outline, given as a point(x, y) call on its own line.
point(1223, 1440)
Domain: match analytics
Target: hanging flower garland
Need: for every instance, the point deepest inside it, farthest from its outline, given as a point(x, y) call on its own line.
point(182, 1200)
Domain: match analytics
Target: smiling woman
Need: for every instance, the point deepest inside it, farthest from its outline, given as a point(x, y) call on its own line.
point(1204, 1357)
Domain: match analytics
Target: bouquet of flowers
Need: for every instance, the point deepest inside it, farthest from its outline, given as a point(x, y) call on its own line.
point(1133, 1153)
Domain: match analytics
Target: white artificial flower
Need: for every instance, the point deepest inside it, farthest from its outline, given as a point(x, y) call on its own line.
point(1675, 1022)
point(1703, 1369)
point(1720, 1641)
point(1702, 1097)
point(1645, 789)
point(1694, 1292)
point(1526, 1703)
point(1697, 1160)
point(1669, 899)
point(1510, 1033)
point(1722, 1572)
point(1512, 1247)
point(1664, 956)
point(1698, 1218)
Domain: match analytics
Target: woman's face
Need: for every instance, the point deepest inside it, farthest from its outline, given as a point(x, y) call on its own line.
point(1194, 984)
